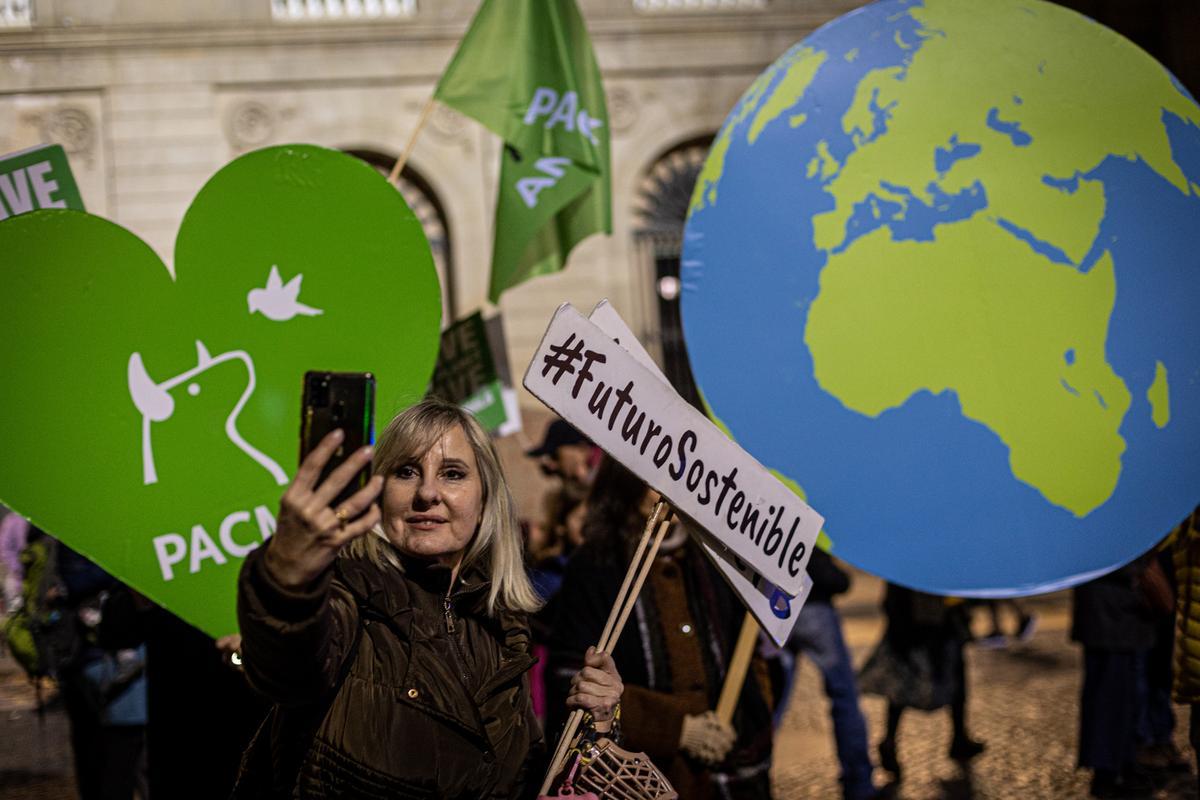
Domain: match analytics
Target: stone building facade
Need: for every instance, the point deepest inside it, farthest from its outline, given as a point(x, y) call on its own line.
point(151, 97)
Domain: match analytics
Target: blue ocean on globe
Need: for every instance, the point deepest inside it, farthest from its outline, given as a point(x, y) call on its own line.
point(941, 273)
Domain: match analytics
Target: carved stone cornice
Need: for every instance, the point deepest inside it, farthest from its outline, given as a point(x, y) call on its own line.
point(68, 125)
point(184, 35)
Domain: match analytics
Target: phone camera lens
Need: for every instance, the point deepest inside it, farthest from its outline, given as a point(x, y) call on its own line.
point(318, 390)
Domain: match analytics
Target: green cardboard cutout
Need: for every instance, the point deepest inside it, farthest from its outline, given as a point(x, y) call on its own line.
point(151, 422)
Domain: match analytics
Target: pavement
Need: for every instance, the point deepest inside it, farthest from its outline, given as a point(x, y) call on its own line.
point(1023, 702)
point(35, 751)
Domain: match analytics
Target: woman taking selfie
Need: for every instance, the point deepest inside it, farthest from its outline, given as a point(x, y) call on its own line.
point(391, 631)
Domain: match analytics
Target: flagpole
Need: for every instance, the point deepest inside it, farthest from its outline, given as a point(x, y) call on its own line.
point(412, 141)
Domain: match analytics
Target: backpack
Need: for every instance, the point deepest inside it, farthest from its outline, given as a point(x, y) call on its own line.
point(42, 636)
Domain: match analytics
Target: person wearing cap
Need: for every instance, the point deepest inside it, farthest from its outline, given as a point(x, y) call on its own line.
point(566, 453)
point(569, 455)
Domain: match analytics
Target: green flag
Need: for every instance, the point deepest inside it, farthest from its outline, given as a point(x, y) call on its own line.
point(525, 69)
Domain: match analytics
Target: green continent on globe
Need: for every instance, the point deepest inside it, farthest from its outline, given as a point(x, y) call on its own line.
point(1059, 420)
point(799, 67)
point(989, 300)
point(1158, 396)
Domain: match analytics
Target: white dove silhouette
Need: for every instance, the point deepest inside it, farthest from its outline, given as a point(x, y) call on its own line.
point(278, 300)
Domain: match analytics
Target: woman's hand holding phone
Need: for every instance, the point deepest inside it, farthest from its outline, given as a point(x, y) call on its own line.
point(309, 532)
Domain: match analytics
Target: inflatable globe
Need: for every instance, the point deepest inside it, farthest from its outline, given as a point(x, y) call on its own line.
point(942, 271)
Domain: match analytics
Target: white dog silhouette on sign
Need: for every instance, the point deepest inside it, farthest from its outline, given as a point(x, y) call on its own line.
point(154, 401)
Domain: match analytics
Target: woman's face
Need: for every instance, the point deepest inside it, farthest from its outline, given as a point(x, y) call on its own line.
point(432, 504)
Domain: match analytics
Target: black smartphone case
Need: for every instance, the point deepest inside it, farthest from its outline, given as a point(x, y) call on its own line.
point(334, 400)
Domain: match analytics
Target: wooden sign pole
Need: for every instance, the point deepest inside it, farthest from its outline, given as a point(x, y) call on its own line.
point(739, 665)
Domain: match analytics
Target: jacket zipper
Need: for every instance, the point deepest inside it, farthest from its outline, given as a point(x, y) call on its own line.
point(448, 607)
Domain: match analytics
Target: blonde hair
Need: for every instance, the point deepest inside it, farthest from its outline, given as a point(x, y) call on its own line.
point(407, 437)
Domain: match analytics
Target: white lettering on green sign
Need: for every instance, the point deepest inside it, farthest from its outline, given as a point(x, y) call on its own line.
point(553, 168)
point(172, 548)
point(25, 189)
point(563, 111)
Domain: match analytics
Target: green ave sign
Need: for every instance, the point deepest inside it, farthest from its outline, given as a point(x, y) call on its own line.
point(39, 177)
point(150, 419)
point(466, 372)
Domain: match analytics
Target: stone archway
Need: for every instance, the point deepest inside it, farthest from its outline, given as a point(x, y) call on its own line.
point(660, 210)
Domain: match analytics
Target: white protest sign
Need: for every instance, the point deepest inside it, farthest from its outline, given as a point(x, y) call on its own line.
point(597, 386)
point(775, 612)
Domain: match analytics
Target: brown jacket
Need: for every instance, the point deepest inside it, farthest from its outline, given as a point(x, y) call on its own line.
point(671, 658)
point(384, 688)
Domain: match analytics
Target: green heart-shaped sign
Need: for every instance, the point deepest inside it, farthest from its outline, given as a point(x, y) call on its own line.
point(150, 423)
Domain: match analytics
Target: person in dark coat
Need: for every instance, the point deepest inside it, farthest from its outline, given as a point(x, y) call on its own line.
point(1116, 628)
point(920, 664)
point(1185, 688)
point(102, 682)
point(198, 708)
point(393, 638)
point(672, 654)
point(1156, 719)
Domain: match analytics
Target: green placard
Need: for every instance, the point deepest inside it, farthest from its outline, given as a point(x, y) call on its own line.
point(150, 421)
point(39, 177)
point(466, 372)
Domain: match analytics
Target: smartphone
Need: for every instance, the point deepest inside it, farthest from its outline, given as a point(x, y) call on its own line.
point(335, 400)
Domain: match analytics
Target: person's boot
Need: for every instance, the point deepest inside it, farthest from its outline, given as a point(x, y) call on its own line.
point(887, 757)
point(1105, 784)
point(964, 748)
point(1163, 757)
point(1127, 786)
point(1138, 783)
point(1176, 761)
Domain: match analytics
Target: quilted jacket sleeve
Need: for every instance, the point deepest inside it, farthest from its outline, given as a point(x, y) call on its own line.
point(293, 643)
point(537, 759)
